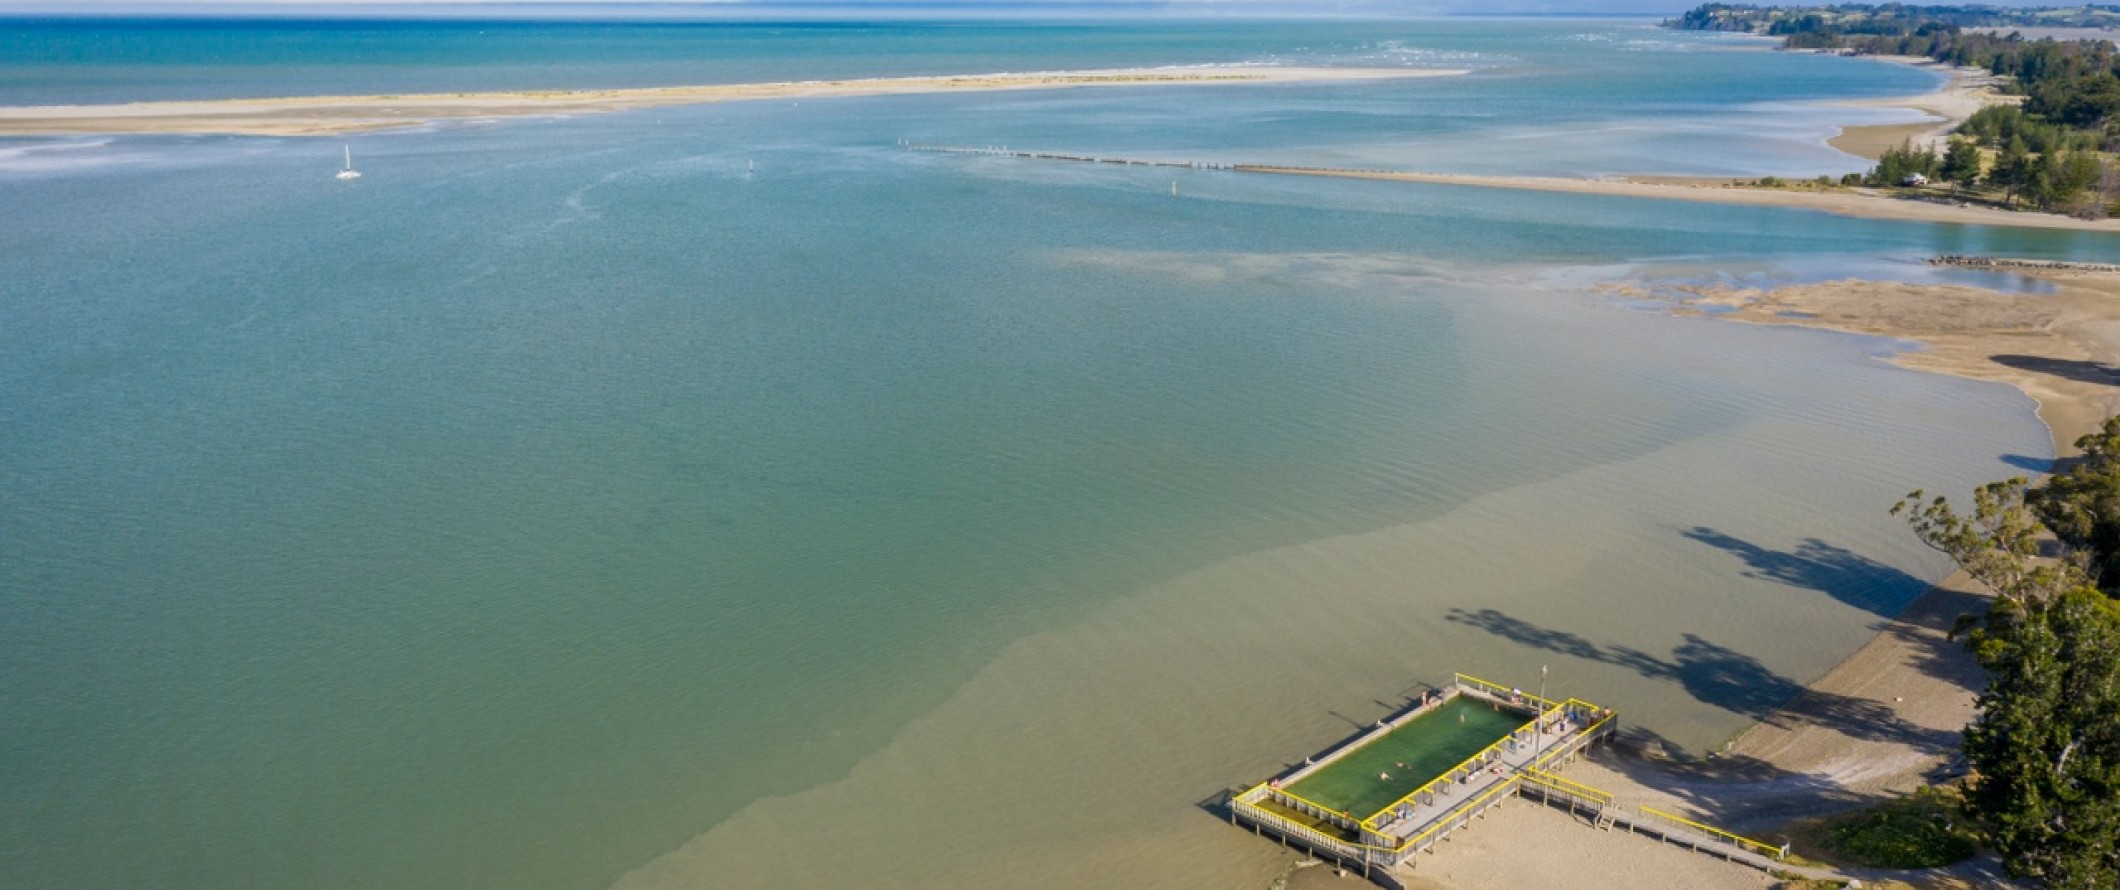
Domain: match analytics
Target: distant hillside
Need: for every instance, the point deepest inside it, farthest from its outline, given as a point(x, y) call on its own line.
point(1885, 20)
point(2055, 148)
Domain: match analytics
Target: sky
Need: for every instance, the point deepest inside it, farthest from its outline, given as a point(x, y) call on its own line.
point(874, 8)
point(721, 8)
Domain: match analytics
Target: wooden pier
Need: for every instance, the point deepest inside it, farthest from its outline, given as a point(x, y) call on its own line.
point(1384, 846)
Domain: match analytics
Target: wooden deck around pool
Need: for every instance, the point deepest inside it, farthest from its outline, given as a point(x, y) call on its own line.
point(1383, 845)
point(1553, 733)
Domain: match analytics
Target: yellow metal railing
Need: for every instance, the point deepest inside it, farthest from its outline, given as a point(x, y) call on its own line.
point(1589, 731)
point(1447, 776)
point(1761, 847)
point(1499, 691)
point(1456, 812)
point(1541, 777)
point(1304, 805)
point(1542, 720)
point(1363, 740)
point(1280, 822)
point(1308, 833)
point(1455, 816)
point(1323, 811)
point(1458, 815)
point(1448, 820)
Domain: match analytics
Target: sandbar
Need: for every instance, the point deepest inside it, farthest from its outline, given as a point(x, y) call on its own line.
point(2062, 349)
point(332, 115)
point(1968, 91)
point(1851, 202)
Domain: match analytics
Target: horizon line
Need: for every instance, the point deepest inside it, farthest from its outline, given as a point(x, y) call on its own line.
point(851, 10)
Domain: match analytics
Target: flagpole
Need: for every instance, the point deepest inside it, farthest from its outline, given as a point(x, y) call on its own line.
point(1539, 743)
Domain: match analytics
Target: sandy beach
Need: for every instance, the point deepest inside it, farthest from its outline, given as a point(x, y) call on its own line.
point(328, 115)
point(1854, 202)
point(1968, 91)
point(1523, 845)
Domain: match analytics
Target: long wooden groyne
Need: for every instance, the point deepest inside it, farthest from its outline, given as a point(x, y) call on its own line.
point(1990, 262)
point(1005, 152)
point(1002, 151)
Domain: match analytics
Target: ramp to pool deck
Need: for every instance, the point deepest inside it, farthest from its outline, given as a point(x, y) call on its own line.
point(1598, 809)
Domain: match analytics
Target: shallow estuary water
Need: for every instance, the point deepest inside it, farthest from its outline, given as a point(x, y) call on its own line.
point(723, 496)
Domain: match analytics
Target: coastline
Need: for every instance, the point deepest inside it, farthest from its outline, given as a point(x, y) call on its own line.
point(2060, 349)
point(1966, 91)
point(1089, 726)
point(1044, 755)
point(338, 115)
point(1859, 203)
point(1886, 719)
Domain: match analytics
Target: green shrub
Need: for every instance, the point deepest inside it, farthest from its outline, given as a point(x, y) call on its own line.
point(1923, 831)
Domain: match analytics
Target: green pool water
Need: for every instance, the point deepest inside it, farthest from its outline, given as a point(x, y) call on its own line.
point(1411, 755)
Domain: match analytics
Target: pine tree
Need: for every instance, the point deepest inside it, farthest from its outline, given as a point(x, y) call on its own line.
point(1897, 164)
point(2045, 749)
point(1961, 163)
point(2013, 172)
point(2046, 182)
point(2079, 171)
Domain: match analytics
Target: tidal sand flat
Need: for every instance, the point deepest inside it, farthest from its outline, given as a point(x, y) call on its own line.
point(2059, 348)
point(1966, 91)
point(328, 115)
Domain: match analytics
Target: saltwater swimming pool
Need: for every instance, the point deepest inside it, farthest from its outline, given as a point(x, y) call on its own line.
point(1377, 774)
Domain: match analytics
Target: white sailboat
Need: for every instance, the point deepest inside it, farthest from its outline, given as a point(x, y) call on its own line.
point(348, 172)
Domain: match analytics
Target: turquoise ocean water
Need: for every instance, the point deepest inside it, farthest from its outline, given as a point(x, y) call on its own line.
point(723, 496)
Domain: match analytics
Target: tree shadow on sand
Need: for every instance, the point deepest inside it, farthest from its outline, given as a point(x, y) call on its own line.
point(1727, 679)
point(2067, 369)
point(1838, 572)
point(1926, 628)
point(1742, 794)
